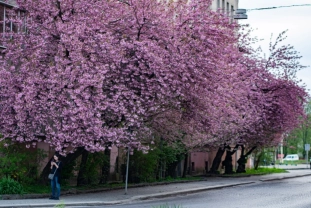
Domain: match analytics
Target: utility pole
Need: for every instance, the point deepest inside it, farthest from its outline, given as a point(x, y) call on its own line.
point(127, 169)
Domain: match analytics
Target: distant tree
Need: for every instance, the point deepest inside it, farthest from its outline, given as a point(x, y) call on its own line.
point(276, 98)
point(295, 141)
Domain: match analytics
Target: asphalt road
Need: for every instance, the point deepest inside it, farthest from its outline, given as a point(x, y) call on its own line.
point(289, 193)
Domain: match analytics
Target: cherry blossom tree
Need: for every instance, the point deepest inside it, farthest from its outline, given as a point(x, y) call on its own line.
point(277, 96)
point(83, 77)
point(95, 73)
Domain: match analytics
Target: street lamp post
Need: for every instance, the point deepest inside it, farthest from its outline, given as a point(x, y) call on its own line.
point(127, 169)
point(281, 148)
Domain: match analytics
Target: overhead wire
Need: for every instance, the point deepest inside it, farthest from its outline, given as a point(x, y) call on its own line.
point(277, 7)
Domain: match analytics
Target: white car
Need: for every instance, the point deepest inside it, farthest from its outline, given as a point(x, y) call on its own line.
point(293, 157)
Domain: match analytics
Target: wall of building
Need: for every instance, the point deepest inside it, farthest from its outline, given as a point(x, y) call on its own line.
point(225, 6)
point(48, 151)
point(201, 162)
point(114, 174)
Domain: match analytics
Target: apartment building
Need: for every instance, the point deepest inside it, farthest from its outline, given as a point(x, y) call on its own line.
point(226, 6)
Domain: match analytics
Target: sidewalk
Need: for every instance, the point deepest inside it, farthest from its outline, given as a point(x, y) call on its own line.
point(159, 191)
point(290, 166)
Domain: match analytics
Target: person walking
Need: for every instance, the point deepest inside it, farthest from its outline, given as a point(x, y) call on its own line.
point(56, 168)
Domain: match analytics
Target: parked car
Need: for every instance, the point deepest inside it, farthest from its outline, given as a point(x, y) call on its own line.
point(292, 157)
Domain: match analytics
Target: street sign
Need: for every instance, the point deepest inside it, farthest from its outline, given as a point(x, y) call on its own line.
point(240, 16)
point(240, 11)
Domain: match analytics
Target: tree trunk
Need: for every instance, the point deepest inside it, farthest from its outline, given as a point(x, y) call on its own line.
point(257, 160)
point(228, 159)
point(227, 163)
point(65, 160)
point(106, 167)
point(82, 179)
point(171, 169)
point(243, 159)
point(185, 166)
point(217, 160)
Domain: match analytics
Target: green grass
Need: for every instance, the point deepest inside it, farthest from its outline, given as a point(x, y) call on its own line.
point(60, 205)
point(259, 171)
point(97, 186)
point(170, 179)
point(37, 189)
point(42, 189)
point(263, 171)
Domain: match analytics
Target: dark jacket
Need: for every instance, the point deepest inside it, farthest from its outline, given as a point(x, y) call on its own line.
point(58, 170)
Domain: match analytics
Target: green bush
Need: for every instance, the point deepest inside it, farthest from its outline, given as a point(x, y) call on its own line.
point(267, 157)
point(19, 162)
point(93, 168)
point(143, 167)
point(158, 163)
point(68, 172)
point(10, 186)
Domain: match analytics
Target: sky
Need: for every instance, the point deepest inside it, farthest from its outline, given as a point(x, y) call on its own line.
point(297, 20)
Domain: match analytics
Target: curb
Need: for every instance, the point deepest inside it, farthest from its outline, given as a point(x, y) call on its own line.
point(285, 177)
point(24, 196)
point(135, 198)
point(188, 191)
point(94, 203)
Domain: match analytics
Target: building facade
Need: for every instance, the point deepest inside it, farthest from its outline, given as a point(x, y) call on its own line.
point(225, 6)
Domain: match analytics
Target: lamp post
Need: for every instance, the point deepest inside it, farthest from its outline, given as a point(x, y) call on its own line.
point(281, 149)
point(127, 168)
point(307, 149)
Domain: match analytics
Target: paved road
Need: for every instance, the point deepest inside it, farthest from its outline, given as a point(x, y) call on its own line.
point(289, 193)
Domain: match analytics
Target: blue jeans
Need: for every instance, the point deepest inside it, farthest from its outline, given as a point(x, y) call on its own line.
point(55, 185)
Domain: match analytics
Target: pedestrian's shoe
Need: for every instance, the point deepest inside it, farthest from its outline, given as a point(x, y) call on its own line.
point(56, 198)
point(52, 197)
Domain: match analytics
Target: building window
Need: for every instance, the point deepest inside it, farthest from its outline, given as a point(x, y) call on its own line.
point(223, 5)
point(24, 19)
point(218, 4)
point(227, 9)
point(8, 11)
point(2, 18)
point(11, 26)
